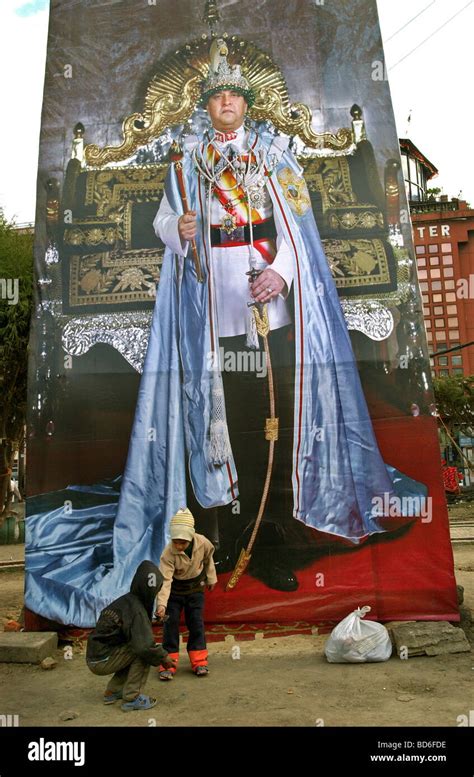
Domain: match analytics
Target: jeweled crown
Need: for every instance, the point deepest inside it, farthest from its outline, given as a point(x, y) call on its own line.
point(224, 76)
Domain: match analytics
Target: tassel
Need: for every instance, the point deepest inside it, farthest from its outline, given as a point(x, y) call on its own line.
point(219, 444)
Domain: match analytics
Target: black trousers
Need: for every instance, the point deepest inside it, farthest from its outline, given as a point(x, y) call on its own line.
point(193, 605)
point(247, 401)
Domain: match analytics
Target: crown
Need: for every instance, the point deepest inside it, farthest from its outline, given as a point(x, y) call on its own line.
point(224, 76)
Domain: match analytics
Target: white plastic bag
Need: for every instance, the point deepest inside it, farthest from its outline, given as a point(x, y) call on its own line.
point(354, 640)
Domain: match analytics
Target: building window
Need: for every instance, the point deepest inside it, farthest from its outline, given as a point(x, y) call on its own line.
point(446, 248)
point(420, 249)
point(441, 339)
point(423, 287)
point(437, 297)
point(443, 373)
point(415, 178)
point(453, 335)
point(450, 285)
point(450, 297)
point(422, 275)
point(447, 259)
point(429, 336)
point(457, 371)
point(421, 262)
point(428, 324)
point(433, 249)
point(442, 361)
point(452, 310)
point(439, 310)
point(439, 323)
point(425, 299)
point(434, 260)
point(436, 286)
point(413, 168)
point(448, 272)
point(405, 167)
point(436, 273)
point(456, 360)
point(452, 322)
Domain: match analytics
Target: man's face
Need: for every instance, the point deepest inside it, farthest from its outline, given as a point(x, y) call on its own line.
point(227, 110)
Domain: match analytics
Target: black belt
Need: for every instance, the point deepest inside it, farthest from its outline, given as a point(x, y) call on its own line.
point(190, 585)
point(264, 230)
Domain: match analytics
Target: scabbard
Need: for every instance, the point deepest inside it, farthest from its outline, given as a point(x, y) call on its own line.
point(271, 434)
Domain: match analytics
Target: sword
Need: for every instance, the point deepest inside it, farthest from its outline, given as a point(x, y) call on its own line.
point(260, 313)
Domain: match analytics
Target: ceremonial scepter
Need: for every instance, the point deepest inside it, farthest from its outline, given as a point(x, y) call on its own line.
point(176, 156)
point(260, 313)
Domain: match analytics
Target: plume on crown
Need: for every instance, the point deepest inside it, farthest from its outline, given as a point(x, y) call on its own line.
point(224, 76)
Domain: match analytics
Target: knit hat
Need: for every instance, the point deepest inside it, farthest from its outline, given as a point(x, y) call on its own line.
point(182, 525)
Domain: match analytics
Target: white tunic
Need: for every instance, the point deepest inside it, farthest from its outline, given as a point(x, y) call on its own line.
point(230, 264)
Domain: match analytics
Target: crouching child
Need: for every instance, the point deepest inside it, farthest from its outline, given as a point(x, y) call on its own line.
point(122, 642)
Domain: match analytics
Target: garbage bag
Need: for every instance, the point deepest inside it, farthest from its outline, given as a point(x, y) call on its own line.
point(355, 640)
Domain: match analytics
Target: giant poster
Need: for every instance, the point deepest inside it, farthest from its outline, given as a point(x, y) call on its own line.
point(228, 317)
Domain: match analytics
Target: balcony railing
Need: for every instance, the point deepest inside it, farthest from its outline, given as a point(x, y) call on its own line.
point(437, 206)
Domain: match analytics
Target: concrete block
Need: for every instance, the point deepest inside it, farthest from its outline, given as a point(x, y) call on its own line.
point(429, 638)
point(27, 647)
point(392, 624)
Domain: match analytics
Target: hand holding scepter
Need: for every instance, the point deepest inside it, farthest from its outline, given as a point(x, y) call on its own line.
point(187, 223)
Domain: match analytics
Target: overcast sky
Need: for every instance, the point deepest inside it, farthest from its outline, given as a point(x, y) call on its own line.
point(429, 54)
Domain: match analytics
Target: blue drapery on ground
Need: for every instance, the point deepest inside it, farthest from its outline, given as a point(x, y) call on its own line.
point(81, 558)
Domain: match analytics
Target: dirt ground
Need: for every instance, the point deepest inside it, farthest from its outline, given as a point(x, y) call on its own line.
point(275, 682)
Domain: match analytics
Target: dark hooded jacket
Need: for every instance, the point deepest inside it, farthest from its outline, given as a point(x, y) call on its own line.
point(127, 620)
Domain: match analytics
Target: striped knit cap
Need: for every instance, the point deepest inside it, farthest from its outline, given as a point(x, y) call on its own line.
point(182, 525)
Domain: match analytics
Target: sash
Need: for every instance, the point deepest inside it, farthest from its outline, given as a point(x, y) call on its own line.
point(233, 199)
point(232, 196)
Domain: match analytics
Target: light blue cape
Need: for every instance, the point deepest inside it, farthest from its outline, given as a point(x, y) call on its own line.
point(339, 477)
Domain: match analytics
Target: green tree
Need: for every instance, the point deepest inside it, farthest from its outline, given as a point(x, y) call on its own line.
point(16, 297)
point(455, 402)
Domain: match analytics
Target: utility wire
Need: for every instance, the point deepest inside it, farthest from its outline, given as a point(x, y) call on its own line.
point(450, 350)
point(432, 34)
point(410, 21)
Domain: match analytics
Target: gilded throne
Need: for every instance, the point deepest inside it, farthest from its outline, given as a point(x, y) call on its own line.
point(110, 258)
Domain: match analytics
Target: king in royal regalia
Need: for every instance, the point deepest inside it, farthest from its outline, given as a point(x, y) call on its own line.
point(274, 454)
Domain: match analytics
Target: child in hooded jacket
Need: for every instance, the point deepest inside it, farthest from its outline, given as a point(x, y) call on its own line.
point(122, 642)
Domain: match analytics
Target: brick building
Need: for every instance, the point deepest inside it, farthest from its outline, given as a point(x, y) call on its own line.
point(443, 233)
